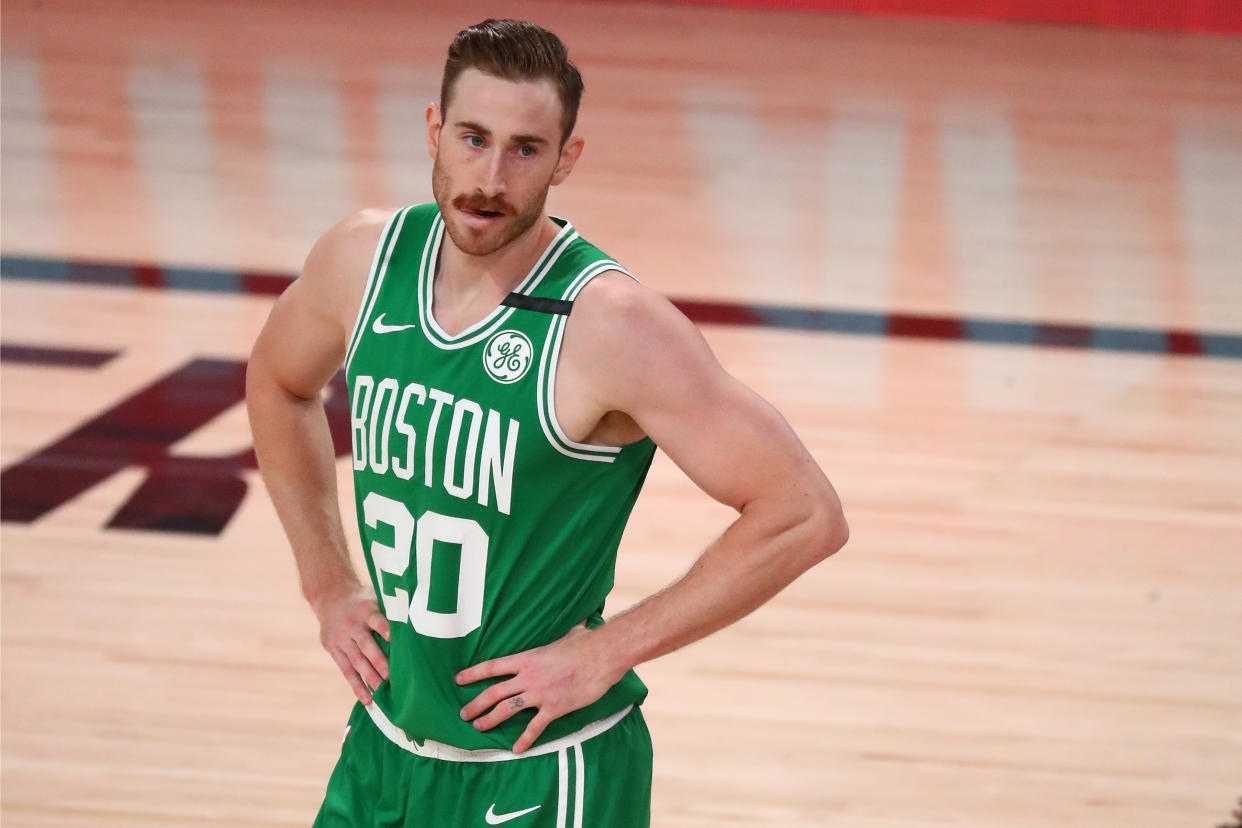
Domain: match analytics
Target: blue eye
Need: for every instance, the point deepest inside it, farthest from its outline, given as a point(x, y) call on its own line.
point(474, 141)
point(526, 151)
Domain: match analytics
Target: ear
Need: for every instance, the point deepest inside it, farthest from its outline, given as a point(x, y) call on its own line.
point(434, 122)
point(569, 157)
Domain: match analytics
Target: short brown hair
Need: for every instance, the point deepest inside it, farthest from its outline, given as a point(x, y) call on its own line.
point(515, 50)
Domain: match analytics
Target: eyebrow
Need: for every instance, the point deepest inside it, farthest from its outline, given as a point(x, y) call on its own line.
point(487, 133)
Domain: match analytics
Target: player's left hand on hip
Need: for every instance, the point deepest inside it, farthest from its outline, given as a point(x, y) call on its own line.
point(558, 678)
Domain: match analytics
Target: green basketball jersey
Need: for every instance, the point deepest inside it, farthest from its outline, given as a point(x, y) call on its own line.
point(486, 529)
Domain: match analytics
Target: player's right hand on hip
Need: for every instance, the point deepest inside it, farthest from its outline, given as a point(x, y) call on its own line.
point(347, 617)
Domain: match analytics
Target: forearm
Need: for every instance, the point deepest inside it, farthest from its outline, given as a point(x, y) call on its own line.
point(760, 554)
point(297, 460)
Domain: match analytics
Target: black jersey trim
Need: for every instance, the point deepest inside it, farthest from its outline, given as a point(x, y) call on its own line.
point(539, 304)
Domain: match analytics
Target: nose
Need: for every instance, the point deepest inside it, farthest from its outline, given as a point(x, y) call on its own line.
point(493, 184)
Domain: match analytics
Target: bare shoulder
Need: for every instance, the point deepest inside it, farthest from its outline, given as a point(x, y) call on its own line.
point(335, 274)
point(615, 310)
point(638, 354)
point(636, 339)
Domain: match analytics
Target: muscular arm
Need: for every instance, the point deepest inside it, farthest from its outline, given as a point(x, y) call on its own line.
point(296, 354)
point(629, 350)
point(734, 445)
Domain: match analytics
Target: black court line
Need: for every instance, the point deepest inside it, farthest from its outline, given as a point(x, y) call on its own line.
point(783, 317)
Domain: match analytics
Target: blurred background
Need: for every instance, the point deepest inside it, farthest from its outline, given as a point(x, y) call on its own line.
point(985, 255)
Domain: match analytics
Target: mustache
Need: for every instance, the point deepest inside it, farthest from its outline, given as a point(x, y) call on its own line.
point(478, 202)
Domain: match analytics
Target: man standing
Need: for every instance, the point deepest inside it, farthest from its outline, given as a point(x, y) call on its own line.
point(508, 385)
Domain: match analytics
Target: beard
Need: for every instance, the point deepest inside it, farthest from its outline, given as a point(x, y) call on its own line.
point(513, 221)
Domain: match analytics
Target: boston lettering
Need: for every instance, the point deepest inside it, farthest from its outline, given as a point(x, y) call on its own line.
point(476, 460)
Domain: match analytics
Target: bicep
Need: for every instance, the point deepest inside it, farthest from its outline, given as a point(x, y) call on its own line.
point(304, 341)
point(728, 440)
point(302, 345)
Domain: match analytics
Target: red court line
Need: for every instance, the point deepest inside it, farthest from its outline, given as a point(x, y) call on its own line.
point(1204, 16)
point(830, 320)
point(66, 357)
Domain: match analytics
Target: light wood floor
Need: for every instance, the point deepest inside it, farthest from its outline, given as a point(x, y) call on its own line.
point(1037, 620)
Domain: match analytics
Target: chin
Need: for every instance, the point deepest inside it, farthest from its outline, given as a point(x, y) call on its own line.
point(483, 243)
point(475, 244)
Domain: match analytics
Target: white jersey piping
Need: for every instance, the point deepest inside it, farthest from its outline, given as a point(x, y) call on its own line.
point(579, 785)
point(374, 280)
point(562, 787)
point(546, 394)
point(494, 320)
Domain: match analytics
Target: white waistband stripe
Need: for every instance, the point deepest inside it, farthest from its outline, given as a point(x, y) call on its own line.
point(432, 749)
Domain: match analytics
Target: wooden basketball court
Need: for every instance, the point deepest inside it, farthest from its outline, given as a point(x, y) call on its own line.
point(990, 273)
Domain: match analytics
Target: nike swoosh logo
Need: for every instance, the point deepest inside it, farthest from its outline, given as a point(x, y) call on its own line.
point(494, 818)
point(380, 328)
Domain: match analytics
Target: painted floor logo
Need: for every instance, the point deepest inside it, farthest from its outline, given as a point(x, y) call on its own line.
point(196, 494)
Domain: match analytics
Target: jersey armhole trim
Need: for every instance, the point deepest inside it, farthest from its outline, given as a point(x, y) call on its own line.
point(546, 394)
point(379, 265)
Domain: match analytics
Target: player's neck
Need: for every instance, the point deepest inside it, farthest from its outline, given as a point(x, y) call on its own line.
point(469, 286)
point(461, 274)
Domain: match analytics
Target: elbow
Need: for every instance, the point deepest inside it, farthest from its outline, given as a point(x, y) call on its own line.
point(258, 387)
point(256, 373)
point(830, 531)
point(841, 532)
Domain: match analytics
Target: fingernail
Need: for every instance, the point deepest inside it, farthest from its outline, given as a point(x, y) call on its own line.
point(463, 713)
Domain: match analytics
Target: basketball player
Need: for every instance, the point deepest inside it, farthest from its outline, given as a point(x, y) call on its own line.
point(508, 383)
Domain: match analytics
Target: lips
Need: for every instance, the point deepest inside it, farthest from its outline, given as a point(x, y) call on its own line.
point(480, 217)
point(482, 209)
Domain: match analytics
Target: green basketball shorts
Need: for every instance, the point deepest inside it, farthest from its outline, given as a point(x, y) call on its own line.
point(599, 777)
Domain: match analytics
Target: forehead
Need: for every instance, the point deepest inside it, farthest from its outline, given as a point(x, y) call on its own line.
point(527, 107)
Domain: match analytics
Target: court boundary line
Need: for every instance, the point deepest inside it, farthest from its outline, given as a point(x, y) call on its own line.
point(980, 330)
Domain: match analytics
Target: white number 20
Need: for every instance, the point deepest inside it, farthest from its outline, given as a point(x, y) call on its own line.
point(395, 560)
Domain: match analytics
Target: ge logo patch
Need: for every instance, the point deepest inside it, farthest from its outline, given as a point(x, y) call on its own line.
point(508, 356)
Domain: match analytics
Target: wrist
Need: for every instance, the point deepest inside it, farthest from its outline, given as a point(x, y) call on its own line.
point(323, 591)
point(610, 651)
